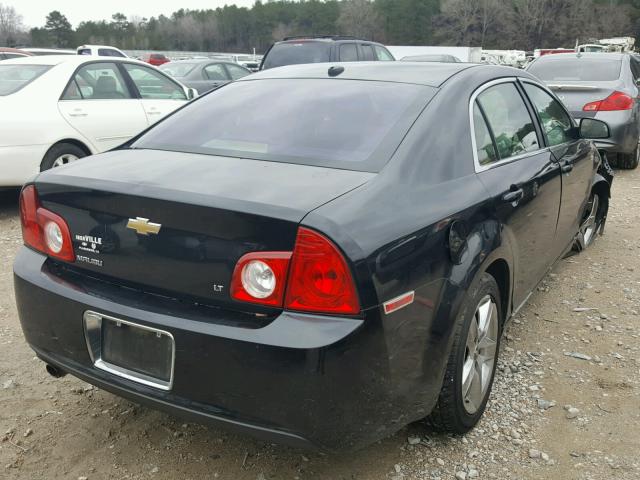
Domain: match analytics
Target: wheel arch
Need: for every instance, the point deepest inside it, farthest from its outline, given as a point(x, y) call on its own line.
point(73, 141)
point(501, 272)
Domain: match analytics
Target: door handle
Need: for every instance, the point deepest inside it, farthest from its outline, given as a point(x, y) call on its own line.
point(78, 113)
point(567, 167)
point(513, 196)
point(154, 112)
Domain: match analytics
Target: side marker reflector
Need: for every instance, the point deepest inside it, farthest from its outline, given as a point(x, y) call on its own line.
point(397, 303)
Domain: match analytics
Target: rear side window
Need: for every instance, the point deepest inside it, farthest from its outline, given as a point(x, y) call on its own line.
point(348, 124)
point(153, 85)
point(97, 81)
point(215, 71)
point(555, 122)
point(509, 120)
point(236, 72)
point(383, 54)
point(16, 77)
point(291, 53)
point(368, 54)
point(348, 52)
point(84, 51)
point(574, 69)
point(485, 148)
point(109, 52)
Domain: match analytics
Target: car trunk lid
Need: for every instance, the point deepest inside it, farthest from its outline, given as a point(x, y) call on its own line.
point(175, 223)
point(575, 95)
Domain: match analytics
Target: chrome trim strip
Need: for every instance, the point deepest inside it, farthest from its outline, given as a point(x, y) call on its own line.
point(482, 168)
point(92, 323)
point(561, 86)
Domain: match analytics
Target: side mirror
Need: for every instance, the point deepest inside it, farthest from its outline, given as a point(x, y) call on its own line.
point(192, 93)
point(593, 129)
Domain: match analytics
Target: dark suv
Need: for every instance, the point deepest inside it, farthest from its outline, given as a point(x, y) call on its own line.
point(318, 49)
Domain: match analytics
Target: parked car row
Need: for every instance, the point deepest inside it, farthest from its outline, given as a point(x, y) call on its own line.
point(604, 86)
point(320, 271)
point(57, 109)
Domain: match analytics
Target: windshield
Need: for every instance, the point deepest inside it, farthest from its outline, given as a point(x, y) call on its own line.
point(16, 77)
point(577, 69)
point(297, 53)
point(348, 124)
point(178, 69)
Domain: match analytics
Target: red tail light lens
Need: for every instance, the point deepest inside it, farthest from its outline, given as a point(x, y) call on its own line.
point(319, 277)
point(42, 229)
point(314, 277)
point(261, 277)
point(615, 102)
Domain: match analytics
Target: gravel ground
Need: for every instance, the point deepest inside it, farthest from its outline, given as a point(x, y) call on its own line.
point(565, 405)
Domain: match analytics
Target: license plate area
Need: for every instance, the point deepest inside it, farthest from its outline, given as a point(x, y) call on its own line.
point(136, 352)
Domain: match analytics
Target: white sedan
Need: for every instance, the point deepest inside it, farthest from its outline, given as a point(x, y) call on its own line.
point(56, 109)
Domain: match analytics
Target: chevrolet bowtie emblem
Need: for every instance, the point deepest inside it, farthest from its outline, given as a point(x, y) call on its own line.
point(143, 226)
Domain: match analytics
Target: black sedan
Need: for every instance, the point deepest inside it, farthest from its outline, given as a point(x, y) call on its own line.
point(204, 74)
point(322, 272)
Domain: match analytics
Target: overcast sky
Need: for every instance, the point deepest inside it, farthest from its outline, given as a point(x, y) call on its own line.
point(34, 12)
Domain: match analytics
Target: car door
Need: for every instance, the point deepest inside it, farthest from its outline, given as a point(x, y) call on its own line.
point(521, 176)
point(98, 103)
point(574, 156)
point(159, 94)
point(215, 75)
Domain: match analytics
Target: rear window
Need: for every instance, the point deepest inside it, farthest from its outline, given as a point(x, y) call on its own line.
point(297, 53)
point(348, 124)
point(84, 51)
point(16, 77)
point(577, 69)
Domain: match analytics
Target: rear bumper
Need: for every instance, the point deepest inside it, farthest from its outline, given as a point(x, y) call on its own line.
point(303, 380)
point(19, 164)
point(624, 130)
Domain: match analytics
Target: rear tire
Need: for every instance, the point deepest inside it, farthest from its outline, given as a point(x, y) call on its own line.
point(592, 220)
point(61, 154)
point(628, 161)
point(472, 362)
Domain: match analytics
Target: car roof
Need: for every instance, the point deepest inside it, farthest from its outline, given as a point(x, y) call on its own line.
point(98, 46)
point(68, 59)
point(420, 73)
point(324, 38)
point(589, 55)
point(198, 61)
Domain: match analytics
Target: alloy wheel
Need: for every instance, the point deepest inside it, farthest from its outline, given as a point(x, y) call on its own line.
point(480, 354)
point(590, 224)
point(63, 160)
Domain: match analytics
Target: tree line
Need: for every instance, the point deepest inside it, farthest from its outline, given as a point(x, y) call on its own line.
point(500, 24)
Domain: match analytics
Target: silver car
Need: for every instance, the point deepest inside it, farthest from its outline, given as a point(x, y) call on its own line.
point(204, 74)
point(602, 86)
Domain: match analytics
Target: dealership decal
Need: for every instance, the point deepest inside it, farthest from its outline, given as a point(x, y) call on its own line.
point(89, 243)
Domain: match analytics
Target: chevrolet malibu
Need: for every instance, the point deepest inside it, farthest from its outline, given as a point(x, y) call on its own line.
point(324, 271)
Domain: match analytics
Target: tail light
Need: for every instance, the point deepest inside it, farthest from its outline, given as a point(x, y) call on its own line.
point(42, 229)
point(614, 102)
point(261, 277)
point(314, 277)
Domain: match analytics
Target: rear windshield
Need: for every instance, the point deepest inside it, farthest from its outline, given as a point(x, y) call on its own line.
point(177, 69)
point(16, 77)
point(297, 53)
point(577, 69)
point(347, 124)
